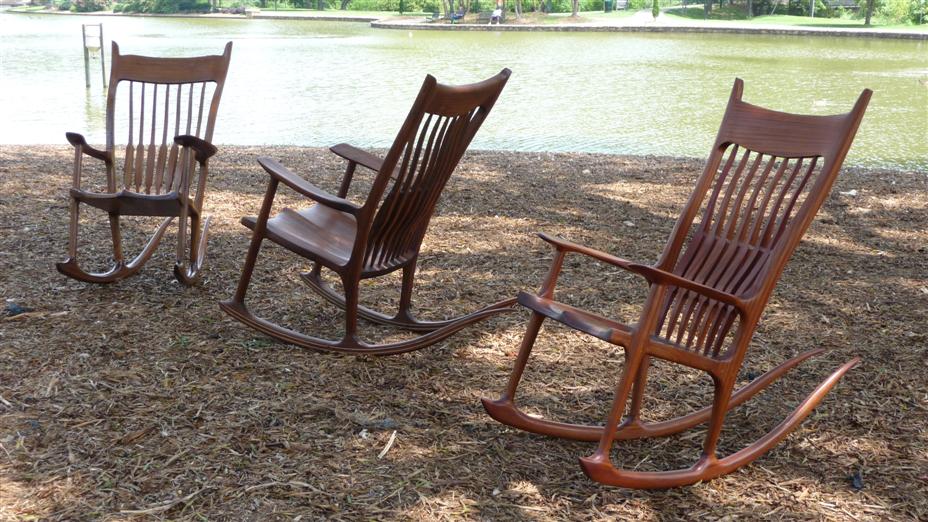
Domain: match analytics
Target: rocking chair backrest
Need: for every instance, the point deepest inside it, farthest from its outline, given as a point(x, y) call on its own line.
point(441, 124)
point(165, 97)
point(767, 176)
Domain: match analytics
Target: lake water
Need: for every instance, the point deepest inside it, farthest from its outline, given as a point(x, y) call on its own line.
point(320, 83)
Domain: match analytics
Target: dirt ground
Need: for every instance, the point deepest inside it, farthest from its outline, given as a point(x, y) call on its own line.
point(142, 398)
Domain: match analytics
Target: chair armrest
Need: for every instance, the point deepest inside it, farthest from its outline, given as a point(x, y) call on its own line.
point(356, 155)
point(656, 275)
point(203, 149)
point(568, 246)
point(78, 141)
point(652, 274)
point(281, 174)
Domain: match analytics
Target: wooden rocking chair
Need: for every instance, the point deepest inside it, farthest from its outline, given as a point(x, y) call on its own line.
point(166, 97)
point(384, 233)
point(765, 179)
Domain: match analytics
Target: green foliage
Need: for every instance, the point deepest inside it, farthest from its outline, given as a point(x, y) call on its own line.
point(427, 6)
point(804, 8)
point(63, 5)
point(901, 11)
point(89, 6)
point(165, 6)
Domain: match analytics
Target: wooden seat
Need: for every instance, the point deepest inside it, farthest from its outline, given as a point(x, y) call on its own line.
point(767, 175)
point(383, 234)
point(168, 107)
point(317, 232)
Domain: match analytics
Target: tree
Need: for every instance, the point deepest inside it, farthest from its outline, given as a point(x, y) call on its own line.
point(869, 12)
point(655, 8)
point(574, 7)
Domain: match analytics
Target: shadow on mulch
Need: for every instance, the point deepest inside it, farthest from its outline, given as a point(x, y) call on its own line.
point(142, 397)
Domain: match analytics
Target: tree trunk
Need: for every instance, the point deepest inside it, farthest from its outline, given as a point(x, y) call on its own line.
point(518, 7)
point(344, 5)
point(869, 12)
point(574, 7)
point(750, 10)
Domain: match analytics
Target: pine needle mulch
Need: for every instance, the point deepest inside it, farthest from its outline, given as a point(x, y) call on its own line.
point(142, 399)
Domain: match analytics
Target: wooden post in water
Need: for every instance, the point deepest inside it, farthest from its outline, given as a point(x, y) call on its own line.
point(88, 49)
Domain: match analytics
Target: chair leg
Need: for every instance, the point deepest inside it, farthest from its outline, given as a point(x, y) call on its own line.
point(633, 363)
point(117, 239)
point(641, 380)
point(72, 228)
point(409, 279)
point(351, 310)
point(502, 408)
point(190, 274)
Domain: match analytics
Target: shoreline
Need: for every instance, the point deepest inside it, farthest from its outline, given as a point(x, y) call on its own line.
point(633, 24)
point(233, 152)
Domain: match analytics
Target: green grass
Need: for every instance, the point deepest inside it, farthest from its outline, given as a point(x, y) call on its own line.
point(737, 13)
point(339, 12)
point(28, 8)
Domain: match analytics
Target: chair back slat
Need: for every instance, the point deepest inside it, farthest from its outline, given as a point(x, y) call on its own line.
point(438, 129)
point(164, 98)
point(766, 178)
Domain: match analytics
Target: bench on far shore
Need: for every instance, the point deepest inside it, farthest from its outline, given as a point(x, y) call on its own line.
point(483, 17)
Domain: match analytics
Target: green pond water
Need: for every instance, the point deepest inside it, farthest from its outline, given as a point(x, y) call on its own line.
point(320, 83)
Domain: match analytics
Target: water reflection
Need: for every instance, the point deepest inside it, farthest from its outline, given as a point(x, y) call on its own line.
point(318, 83)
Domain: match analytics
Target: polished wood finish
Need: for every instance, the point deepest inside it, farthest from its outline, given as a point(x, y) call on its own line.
point(766, 177)
point(168, 107)
point(383, 234)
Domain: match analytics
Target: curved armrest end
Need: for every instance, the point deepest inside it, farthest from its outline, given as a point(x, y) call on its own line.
point(356, 155)
point(80, 142)
point(204, 149)
point(75, 139)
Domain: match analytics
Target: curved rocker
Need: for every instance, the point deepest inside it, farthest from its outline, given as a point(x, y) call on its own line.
point(599, 468)
point(120, 269)
point(160, 177)
point(504, 410)
point(385, 233)
point(766, 177)
point(352, 344)
point(403, 318)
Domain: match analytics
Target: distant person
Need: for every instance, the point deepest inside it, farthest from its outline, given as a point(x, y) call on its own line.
point(495, 17)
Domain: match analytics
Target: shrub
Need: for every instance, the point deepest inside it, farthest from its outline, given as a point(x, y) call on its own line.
point(89, 6)
point(166, 6)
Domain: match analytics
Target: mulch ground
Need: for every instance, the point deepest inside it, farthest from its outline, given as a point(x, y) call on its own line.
point(142, 398)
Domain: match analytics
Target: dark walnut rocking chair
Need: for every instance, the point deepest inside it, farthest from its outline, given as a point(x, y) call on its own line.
point(383, 234)
point(166, 97)
point(766, 178)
